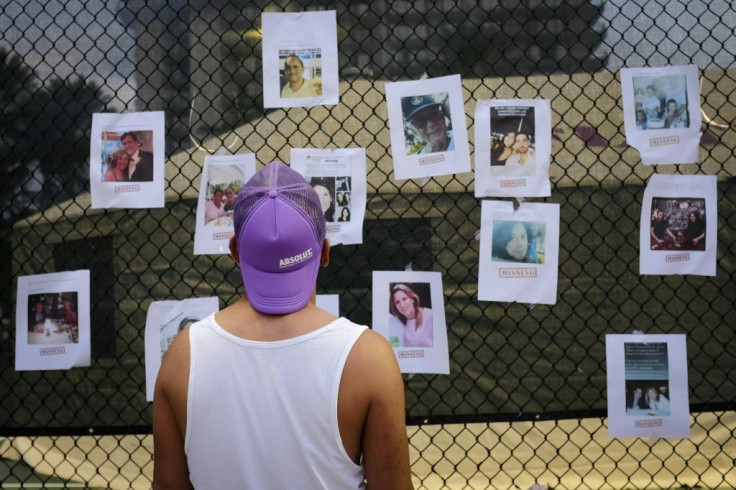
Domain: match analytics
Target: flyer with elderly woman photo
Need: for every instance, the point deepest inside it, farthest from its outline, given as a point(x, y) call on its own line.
point(427, 124)
point(519, 252)
point(513, 144)
point(409, 311)
point(222, 178)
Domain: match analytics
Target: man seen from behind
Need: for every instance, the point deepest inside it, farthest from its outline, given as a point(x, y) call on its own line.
point(272, 392)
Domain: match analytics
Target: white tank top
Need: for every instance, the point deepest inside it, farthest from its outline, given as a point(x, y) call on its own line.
point(263, 415)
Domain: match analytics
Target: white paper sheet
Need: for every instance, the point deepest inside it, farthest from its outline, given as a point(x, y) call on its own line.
point(226, 174)
point(339, 177)
point(647, 386)
point(397, 297)
point(662, 113)
point(685, 239)
point(312, 38)
point(134, 140)
point(164, 320)
point(519, 252)
point(513, 144)
point(427, 122)
point(329, 302)
point(52, 321)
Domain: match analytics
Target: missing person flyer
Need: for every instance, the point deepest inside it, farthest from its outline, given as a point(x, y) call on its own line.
point(519, 252)
point(678, 225)
point(339, 178)
point(427, 125)
point(53, 321)
point(126, 161)
point(647, 386)
point(222, 179)
point(300, 61)
point(513, 145)
point(409, 311)
point(662, 113)
point(164, 321)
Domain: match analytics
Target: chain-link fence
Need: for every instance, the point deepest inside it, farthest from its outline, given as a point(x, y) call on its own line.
point(526, 398)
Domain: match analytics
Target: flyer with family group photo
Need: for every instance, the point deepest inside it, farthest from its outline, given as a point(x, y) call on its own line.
point(52, 321)
point(164, 321)
point(678, 225)
point(300, 59)
point(126, 160)
point(222, 178)
point(662, 113)
point(513, 144)
point(519, 252)
point(647, 386)
point(339, 178)
point(409, 311)
point(427, 124)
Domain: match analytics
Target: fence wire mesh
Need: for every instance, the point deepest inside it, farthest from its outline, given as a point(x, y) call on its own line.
point(525, 401)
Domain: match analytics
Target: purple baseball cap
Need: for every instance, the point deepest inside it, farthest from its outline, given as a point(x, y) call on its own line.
point(279, 229)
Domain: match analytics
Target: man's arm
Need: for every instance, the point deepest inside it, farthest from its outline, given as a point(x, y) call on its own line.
point(170, 470)
point(384, 445)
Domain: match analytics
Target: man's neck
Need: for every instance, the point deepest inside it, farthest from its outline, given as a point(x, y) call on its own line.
point(242, 320)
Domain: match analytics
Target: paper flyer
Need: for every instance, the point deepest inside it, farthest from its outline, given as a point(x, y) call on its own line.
point(678, 225)
point(164, 320)
point(300, 61)
point(513, 146)
point(519, 252)
point(427, 126)
point(126, 161)
point(222, 179)
point(339, 178)
point(53, 321)
point(329, 302)
point(647, 386)
point(662, 113)
point(409, 311)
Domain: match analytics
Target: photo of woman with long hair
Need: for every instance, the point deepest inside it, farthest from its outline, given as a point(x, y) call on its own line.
point(416, 319)
point(514, 241)
point(325, 189)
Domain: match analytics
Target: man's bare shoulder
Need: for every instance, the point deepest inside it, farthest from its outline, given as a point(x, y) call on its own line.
point(174, 372)
point(372, 353)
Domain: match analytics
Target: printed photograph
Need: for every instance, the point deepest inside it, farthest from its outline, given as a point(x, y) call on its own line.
point(518, 241)
point(410, 315)
point(301, 73)
point(661, 102)
point(53, 318)
point(647, 379)
point(677, 224)
point(427, 124)
point(126, 156)
point(223, 186)
point(325, 189)
point(169, 330)
point(512, 139)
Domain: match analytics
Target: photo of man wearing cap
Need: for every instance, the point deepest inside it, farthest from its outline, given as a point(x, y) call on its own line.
point(428, 118)
point(271, 392)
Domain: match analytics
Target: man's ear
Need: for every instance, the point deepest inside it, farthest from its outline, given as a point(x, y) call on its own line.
point(234, 250)
point(324, 259)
